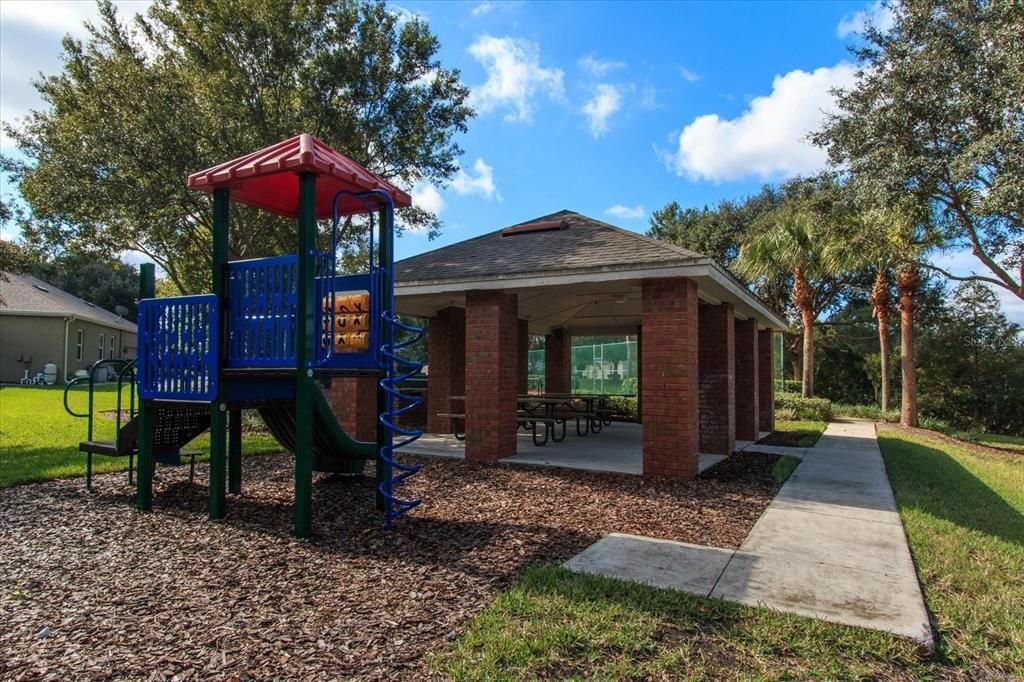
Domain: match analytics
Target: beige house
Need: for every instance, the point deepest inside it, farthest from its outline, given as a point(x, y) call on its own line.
point(41, 324)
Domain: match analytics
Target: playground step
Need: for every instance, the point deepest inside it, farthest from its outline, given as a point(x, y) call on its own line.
point(100, 447)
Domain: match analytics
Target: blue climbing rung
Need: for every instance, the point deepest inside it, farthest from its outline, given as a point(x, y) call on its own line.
point(179, 347)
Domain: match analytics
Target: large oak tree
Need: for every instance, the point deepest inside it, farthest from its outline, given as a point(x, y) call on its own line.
point(938, 113)
point(140, 104)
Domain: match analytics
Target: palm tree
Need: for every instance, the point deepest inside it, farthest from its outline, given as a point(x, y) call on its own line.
point(885, 240)
point(791, 241)
point(908, 280)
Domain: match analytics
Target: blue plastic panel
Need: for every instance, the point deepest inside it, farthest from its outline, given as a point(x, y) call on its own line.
point(262, 299)
point(179, 347)
point(261, 315)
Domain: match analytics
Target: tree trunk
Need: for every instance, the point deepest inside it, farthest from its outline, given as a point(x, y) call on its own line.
point(807, 390)
point(881, 300)
point(883, 349)
point(803, 299)
point(907, 282)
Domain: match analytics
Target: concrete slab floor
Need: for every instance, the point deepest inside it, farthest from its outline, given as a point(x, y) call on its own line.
point(830, 546)
point(618, 448)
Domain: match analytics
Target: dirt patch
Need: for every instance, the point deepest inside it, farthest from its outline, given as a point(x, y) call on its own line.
point(966, 445)
point(125, 594)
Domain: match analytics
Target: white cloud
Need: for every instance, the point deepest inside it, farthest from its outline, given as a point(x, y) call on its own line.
point(626, 212)
point(648, 97)
point(514, 77)
point(32, 33)
point(688, 75)
point(426, 196)
point(482, 183)
point(61, 16)
point(599, 109)
point(598, 67)
point(482, 8)
point(427, 79)
point(405, 15)
point(769, 139)
point(876, 14)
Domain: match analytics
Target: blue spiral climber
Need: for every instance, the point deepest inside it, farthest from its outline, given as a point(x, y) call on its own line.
point(397, 370)
point(394, 368)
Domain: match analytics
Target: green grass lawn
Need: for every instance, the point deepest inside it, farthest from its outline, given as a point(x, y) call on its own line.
point(964, 516)
point(802, 433)
point(1005, 442)
point(39, 440)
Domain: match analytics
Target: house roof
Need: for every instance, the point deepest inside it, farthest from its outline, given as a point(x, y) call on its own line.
point(267, 178)
point(579, 243)
point(569, 271)
point(28, 295)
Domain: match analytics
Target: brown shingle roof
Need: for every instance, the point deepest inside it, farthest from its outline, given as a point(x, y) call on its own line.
point(27, 294)
point(585, 243)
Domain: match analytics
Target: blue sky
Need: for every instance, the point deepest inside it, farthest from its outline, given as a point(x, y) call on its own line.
point(609, 109)
point(583, 106)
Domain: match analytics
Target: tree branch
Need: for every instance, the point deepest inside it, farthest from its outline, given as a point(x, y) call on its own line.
point(1005, 280)
point(958, 278)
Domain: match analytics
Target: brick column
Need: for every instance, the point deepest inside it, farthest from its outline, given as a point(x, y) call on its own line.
point(354, 402)
point(765, 379)
point(491, 361)
point(747, 413)
point(446, 360)
point(558, 362)
point(523, 357)
point(717, 358)
point(668, 366)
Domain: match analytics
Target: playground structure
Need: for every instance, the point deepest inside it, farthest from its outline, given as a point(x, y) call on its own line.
point(272, 330)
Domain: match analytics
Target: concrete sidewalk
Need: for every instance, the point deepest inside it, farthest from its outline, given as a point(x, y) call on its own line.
point(830, 546)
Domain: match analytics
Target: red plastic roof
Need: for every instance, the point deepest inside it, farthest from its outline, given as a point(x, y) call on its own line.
point(267, 178)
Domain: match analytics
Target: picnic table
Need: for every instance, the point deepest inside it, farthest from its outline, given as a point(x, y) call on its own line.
point(550, 410)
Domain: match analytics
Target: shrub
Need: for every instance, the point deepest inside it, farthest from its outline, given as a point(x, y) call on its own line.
point(623, 407)
point(792, 386)
point(819, 409)
point(873, 412)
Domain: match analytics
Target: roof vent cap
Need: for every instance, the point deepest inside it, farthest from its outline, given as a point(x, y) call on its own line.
point(536, 226)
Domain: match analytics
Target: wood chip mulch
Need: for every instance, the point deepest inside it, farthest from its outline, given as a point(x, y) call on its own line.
point(89, 588)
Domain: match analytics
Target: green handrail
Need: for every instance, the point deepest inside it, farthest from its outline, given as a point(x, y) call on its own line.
point(123, 367)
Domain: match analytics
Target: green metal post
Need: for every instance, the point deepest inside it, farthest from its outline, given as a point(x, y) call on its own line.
point(235, 452)
point(146, 415)
point(218, 410)
point(384, 258)
point(305, 335)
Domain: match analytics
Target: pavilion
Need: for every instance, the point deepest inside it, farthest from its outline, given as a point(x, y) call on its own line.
point(705, 351)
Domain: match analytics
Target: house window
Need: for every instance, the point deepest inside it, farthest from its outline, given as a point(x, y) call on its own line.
point(110, 347)
point(80, 345)
point(102, 346)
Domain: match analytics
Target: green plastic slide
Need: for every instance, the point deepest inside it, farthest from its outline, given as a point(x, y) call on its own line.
point(333, 450)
